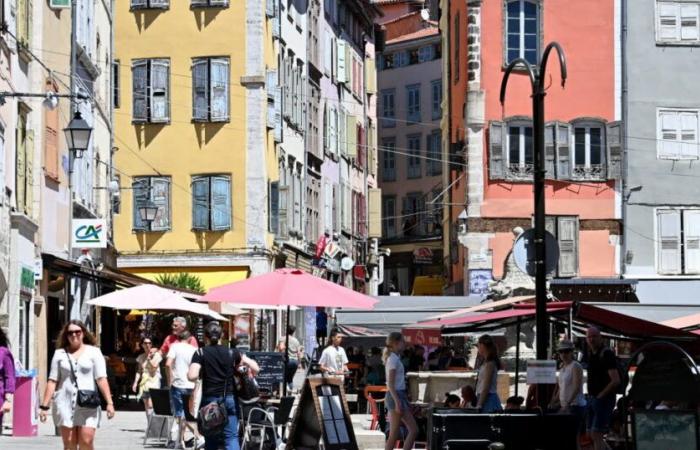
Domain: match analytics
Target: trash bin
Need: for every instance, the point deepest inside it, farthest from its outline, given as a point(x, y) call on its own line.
point(25, 416)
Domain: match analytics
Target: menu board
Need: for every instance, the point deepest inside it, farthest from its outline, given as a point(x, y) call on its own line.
point(271, 369)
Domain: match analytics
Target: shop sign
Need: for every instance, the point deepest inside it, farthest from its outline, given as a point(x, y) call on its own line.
point(423, 255)
point(89, 233)
point(38, 269)
point(26, 280)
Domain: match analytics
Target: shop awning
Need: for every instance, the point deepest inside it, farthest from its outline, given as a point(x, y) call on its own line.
point(501, 318)
point(484, 306)
point(690, 322)
point(422, 336)
point(359, 332)
point(209, 276)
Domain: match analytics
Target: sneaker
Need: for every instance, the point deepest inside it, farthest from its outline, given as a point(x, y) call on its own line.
point(200, 443)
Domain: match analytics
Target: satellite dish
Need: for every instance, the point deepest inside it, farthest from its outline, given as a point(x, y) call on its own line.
point(347, 263)
point(425, 14)
point(524, 252)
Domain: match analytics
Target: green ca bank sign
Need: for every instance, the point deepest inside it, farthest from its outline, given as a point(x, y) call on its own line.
point(89, 233)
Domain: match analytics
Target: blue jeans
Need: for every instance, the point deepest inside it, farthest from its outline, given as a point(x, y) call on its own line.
point(177, 401)
point(230, 434)
point(292, 367)
point(492, 404)
point(600, 413)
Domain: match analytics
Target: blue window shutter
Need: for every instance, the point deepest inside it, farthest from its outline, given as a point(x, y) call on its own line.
point(219, 76)
point(200, 89)
point(200, 203)
point(140, 190)
point(139, 74)
point(160, 195)
point(220, 203)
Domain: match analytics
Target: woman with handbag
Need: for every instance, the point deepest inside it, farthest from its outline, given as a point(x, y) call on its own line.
point(78, 370)
point(215, 364)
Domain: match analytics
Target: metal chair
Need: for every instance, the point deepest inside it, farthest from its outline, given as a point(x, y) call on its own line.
point(161, 421)
point(266, 423)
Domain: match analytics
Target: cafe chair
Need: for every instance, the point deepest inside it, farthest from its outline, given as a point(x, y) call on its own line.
point(263, 425)
point(371, 395)
point(161, 421)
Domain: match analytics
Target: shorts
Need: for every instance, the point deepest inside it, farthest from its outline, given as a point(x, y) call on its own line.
point(321, 333)
point(177, 400)
point(600, 413)
point(390, 403)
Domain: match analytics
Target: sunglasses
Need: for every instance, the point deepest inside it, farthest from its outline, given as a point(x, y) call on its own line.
point(75, 332)
point(148, 343)
point(566, 350)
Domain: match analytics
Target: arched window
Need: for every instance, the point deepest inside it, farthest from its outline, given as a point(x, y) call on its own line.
point(522, 29)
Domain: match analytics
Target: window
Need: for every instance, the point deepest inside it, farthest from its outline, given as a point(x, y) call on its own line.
point(211, 202)
point(413, 101)
point(589, 152)
point(24, 163)
point(3, 153)
point(414, 166)
point(156, 190)
point(520, 149)
point(389, 159)
point(677, 22)
point(51, 133)
point(413, 212)
point(209, 3)
point(678, 241)
point(116, 84)
point(401, 58)
point(434, 164)
point(426, 53)
point(313, 207)
point(436, 98)
point(388, 216)
point(522, 30)
point(24, 22)
point(388, 111)
point(566, 230)
point(677, 134)
point(210, 89)
point(150, 4)
point(151, 90)
point(457, 39)
point(273, 196)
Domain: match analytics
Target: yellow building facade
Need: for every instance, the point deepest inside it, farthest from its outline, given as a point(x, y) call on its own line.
point(192, 140)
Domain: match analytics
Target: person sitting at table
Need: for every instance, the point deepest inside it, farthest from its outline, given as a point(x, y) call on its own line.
point(514, 403)
point(452, 401)
point(374, 368)
point(468, 397)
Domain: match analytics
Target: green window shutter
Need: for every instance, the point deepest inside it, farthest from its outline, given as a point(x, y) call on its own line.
point(200, 203)
point(220, 203)
point(200, 89)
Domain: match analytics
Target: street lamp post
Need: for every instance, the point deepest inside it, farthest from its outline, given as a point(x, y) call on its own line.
point(537, 83)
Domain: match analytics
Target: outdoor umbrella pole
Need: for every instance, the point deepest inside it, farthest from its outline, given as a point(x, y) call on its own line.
point(260, 331)
point(286, 353)
point(517, 357)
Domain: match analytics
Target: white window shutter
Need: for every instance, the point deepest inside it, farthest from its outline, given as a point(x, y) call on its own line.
point(219, 85)
point(550, 150)
point(333, 131)
point(614, 147)
point(270, 87)
point(342, 132)
point(567, 234)
point(496, 150)
point(160, 90)
point(669, 127)
point(341, 62)
point(200, 89)
point(278, 114)
point(669, 241)
point(328, 206)
point(282, 212)
point(689, 135)
point(270, 8)
point(691, 240)
point(689, 22)
point(563, 151)
point(668, 21)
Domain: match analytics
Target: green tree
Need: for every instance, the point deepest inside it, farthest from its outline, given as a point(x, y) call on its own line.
point(181, 281)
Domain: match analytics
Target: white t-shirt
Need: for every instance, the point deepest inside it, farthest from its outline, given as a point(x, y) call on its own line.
point(334, 358)
point(394, 363)
point(181, 354)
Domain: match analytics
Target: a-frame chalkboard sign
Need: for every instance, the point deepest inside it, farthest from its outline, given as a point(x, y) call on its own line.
point(322, 418)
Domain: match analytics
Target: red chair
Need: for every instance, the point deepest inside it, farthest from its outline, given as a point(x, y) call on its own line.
point(373, 402)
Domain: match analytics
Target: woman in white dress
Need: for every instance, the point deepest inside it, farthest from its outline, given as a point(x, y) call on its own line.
point(76, 365)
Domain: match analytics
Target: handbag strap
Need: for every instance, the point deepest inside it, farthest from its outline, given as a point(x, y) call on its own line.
point(73, 377)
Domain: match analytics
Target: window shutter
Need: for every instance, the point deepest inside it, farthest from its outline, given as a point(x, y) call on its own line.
point(30, 22)
point(336, 208)
point(276, 21)
point(21, 164)
point(29, 173)
point(341, 67)
point(614, 147)
point(351, 136)
point(333, 131)
point(139, 73)
point(349, 213)
point(160, 96)
point(270, 8)
point(372, 148)
point(278, 114)
point(669, 29)
point(342, 132)
point(141, 194)
point(220, 203)
point(689, 135)
point(200, 89)
point(22, 31)
point(567, 235)
point(199, 2)
point(689, 22)
point(160, 195)
point(297, 199)
point(550, 224)
point(371, 76)
point(135, 4)
point(273, 207)
point(550, 150)
point(218, 2)
point(219, 89)
point(669, 241)
point(282, 215)
point(327, 206)
point(496, 141)
point(563, 151)
point(200, 203)
point(160, 4)
point(271, 86)
point(669, 123)
point(691, 240)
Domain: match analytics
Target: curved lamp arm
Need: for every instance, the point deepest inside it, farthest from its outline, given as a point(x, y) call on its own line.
point(513, 64)
point(543, 68)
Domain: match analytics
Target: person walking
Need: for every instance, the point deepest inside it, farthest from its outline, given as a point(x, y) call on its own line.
point(178, 326)
point(7, 376)
point(177, 365)
point(569, 389)
point(215, 365)
point(396, 400)
point(603, 380)
point(334, 360)
point(294, 354)
point(77, 367)
point(148, 374)
point(487, 400)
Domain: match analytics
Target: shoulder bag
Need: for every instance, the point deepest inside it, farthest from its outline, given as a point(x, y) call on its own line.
point(86, 398)
point(212, 417)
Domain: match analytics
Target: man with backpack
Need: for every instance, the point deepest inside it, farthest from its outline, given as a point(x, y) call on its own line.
point(603, 382)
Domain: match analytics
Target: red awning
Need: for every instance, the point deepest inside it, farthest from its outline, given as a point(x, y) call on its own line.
point(494, 316)
point(422, 336)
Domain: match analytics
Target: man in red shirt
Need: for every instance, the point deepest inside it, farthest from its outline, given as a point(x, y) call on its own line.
point(179, 325)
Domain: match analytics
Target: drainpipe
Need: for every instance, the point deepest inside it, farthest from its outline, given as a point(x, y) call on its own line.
point(625, 128)
point(447, 174)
